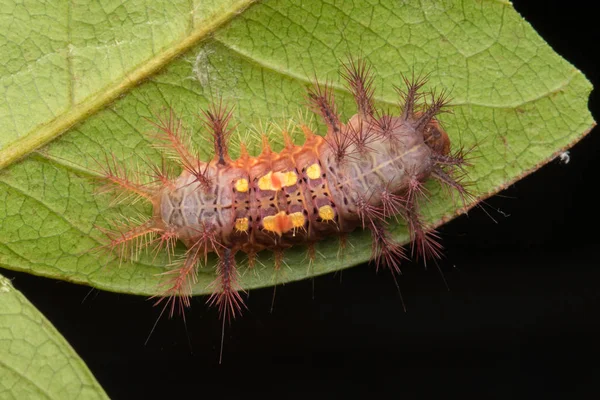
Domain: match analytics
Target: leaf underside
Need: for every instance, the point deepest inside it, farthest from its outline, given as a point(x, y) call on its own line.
point(512, 96)
point(36, 362)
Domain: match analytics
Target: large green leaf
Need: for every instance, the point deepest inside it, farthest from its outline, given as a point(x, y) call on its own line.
point(513, 96)
point(36, 362)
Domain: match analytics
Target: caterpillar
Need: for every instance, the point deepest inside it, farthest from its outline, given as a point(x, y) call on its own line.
point(358, 175)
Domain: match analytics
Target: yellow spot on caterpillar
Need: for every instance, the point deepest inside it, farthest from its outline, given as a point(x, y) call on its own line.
point(297, 219)
point(314, 171)
point(277, 180)
point(326, 213)
point(266, 182)
point(278, 223)
point(241, 185)
point(290, 178)
point(241, 224)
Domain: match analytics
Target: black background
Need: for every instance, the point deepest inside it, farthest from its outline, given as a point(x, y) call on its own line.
point(520, 319)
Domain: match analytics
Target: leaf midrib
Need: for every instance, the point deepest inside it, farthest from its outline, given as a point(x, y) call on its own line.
point(41, 135)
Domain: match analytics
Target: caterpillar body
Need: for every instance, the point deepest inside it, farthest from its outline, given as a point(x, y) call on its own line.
point(358, 175)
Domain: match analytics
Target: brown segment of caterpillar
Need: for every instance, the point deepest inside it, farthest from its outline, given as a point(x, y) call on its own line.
point(359, 175)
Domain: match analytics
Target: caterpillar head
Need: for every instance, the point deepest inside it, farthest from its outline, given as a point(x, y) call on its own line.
point(436, 138)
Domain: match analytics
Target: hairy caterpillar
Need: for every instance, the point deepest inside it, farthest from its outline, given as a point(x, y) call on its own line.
point(358, 175)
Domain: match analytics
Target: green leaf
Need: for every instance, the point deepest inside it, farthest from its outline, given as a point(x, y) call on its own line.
point(513, 97)
point(36, 362)
point(68, 60)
